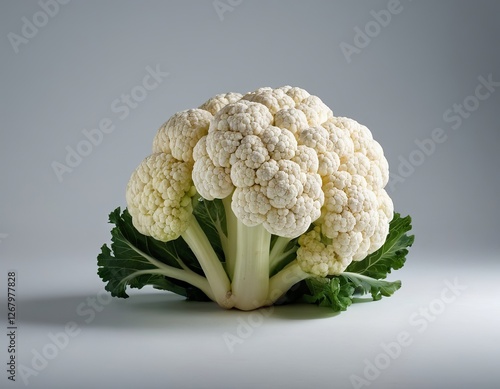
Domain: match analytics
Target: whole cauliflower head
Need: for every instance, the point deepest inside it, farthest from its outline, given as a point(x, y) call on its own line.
point(285, 162)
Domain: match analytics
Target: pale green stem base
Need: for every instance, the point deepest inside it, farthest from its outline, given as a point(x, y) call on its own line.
point(250, 283)
point(210, 263)
point(280, 283)
point(231, 241)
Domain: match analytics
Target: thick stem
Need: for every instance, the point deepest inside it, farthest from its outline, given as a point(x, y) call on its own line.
point(231, 242)
point(278, 252)
point(287, 277)
point(251, 272)
point(212, 267)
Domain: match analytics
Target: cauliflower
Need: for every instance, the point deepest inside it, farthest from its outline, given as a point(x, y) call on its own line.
point(292, 192)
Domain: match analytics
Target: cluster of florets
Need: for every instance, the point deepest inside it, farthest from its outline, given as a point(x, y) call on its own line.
point(284, 161)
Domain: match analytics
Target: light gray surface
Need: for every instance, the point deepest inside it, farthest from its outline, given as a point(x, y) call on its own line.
point(448, 338)
point(427, 59)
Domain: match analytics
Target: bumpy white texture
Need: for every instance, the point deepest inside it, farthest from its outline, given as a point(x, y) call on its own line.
point(357, 210)
point(180, 134)
point(211, 181)
point(159, 196)
point(287, 162)
point(216, 103)
point(319, 257)
point(253, 151)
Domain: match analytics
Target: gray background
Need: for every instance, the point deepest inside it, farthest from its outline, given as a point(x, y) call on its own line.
point(64, 80)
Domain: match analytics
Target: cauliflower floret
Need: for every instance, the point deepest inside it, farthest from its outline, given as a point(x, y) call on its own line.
point(318, 139)
point(216, 103)
point(161, 142)
point(317, 257)
point(280, 143)
point(307, 159)
point(385, 215)
point(273, 99)
point(356, 212)
point(280, 195)
point(354, 219)
point(230, 125)
point(252, 151)
point(315, 110)
point(297, 94)
point(250, 205)
point(363, 143)
point(180, 134)
point(343, 145)
point(243, 151)
point(286, 185)
point(292, 119)
point(211, 181)
point(159, 196)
